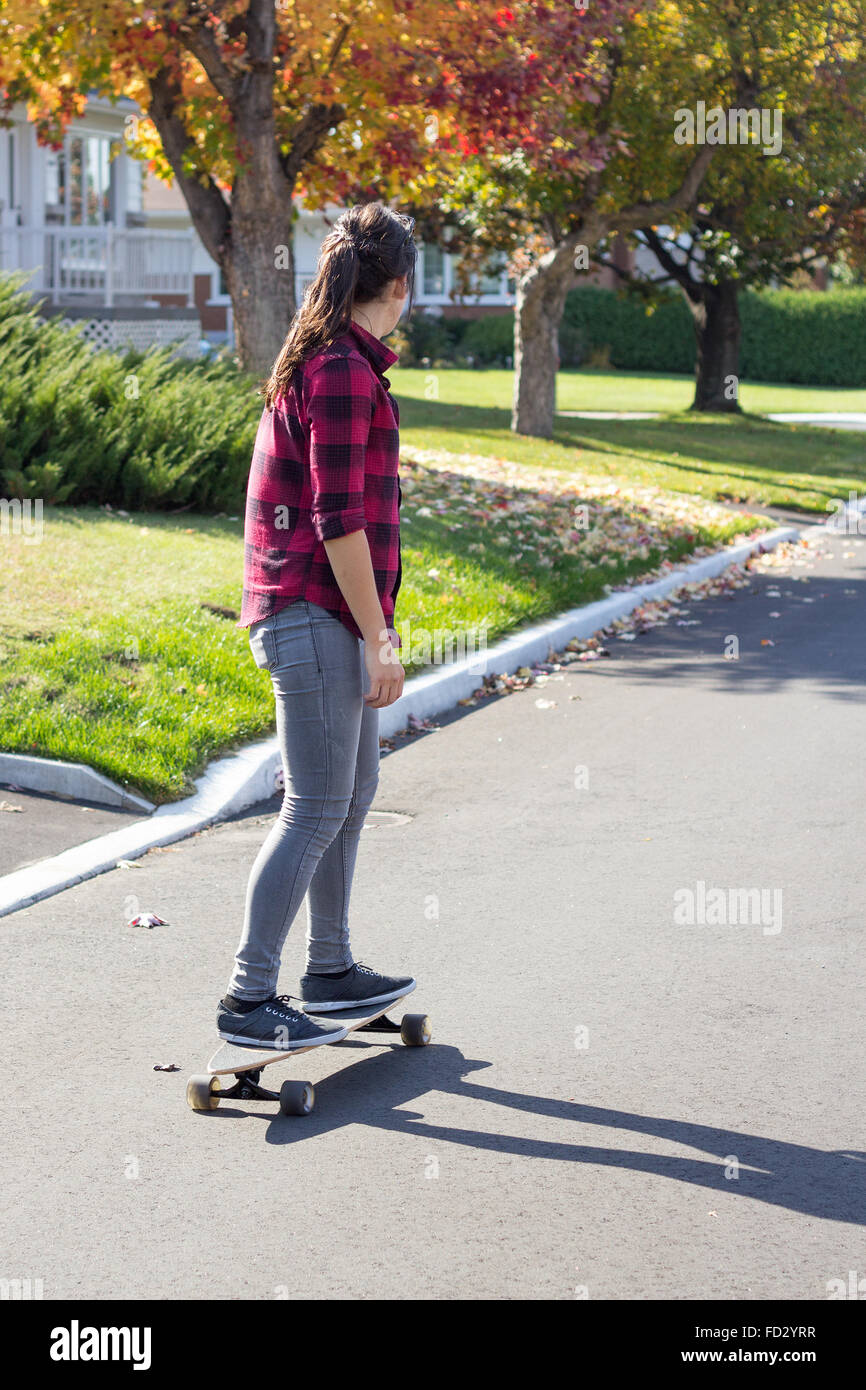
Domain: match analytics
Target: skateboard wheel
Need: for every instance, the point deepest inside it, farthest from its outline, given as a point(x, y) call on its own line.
point(203, 1092)
point(416, 1030)
point(297, 1097)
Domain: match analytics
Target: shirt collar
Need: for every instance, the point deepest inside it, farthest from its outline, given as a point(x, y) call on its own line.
point(377, 352)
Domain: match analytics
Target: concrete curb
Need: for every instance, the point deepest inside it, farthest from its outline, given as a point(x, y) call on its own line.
point(244, 778)
point(75, 780)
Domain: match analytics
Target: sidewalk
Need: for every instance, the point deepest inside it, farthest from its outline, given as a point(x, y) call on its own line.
point(519, 1156)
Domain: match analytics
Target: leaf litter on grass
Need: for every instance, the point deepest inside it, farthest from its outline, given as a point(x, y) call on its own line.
point(545, 515)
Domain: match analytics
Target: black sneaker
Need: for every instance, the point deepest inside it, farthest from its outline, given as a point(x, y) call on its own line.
point(361, 986)
point(275, 1024)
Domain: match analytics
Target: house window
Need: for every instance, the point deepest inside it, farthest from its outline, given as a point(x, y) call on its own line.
point(489, 283)
point(80, 181)
point(434, 270)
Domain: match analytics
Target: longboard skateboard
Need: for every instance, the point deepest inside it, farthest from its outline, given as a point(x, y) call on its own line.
point(247, 1062)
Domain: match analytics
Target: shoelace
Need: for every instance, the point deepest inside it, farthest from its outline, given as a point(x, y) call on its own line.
point(283, 1000)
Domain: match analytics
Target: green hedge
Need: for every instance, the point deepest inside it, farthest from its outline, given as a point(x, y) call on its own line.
point(788, 336)
point(660, 341)
point(138, 430)
point(811, 338)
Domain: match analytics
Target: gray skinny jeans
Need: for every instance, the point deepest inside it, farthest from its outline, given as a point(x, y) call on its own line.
point(329, 739)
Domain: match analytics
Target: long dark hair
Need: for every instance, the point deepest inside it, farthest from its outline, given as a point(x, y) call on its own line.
point(368, 246)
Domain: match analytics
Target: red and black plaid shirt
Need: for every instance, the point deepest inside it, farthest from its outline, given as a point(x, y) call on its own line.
point(324, 464)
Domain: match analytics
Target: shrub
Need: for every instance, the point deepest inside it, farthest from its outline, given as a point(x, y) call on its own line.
point(489, 340)
point(426, 336)
point(138, 430)
point(661, 340)
point(803, 337)
point(813, 338)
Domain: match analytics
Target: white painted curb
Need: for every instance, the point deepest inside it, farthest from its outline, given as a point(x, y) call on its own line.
point(245, 778)
point(75, 780)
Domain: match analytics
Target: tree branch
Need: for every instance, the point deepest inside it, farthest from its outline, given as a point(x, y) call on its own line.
point(628, 275)
point(307, 136)
point(677, 272)
point(208, 207)
point(202, 44)
point(640, 215)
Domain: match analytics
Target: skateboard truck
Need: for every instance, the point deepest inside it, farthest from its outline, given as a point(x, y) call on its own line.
point(380, 1025)
point(247, 1087)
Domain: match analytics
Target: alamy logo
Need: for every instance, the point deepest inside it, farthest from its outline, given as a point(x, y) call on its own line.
point(422, 647)
point(723, 907)
point(76, 1343)
point(855, 1287)
point(18, 1290)
point(735, 126)
point(23, 519)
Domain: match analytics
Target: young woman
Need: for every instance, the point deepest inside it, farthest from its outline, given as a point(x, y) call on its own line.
point(321, 573)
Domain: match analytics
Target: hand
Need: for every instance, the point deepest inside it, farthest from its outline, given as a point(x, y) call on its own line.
point(385, 672)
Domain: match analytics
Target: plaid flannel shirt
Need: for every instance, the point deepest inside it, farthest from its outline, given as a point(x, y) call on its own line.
point(325, 464)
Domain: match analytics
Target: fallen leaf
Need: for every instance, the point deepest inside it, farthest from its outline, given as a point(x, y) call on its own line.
point(147, 919)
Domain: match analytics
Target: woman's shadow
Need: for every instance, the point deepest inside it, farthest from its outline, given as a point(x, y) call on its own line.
point(826, 1184)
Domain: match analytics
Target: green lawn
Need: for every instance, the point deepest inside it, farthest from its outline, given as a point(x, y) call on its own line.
point(614, 390)
point(109, 656)
point(714, 456)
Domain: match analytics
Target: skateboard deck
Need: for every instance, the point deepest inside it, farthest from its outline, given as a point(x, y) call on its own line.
point(247, 1061)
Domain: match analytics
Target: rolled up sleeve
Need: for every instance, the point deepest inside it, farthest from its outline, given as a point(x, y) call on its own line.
point(339, 409)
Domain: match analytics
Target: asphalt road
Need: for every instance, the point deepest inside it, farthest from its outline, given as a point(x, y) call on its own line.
point(616, 1101)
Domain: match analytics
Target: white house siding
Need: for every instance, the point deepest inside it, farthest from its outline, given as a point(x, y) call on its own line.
point(75, 225)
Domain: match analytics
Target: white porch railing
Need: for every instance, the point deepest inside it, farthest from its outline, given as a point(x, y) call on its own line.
point(99, 265)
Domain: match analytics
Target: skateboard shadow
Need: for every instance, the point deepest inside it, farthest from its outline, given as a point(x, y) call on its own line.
point(826, 1184)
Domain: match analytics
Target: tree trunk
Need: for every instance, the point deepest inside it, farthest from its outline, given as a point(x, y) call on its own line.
point(538, 309)
point(259, 268)
point(717, 328)
point(249, 234)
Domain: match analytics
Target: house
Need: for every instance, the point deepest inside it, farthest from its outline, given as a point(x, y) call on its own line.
point(74, 219)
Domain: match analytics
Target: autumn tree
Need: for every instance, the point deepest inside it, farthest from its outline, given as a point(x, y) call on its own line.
point(596, 152)
point(533, 186)
point(780, 90)
point(241, 97)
